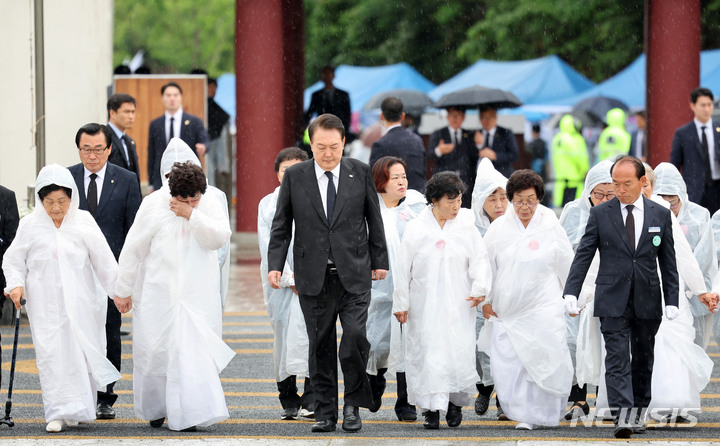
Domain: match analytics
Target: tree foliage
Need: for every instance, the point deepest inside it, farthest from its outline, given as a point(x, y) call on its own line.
point(176, 35)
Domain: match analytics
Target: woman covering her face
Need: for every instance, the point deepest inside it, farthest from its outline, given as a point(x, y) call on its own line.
point(58, 258)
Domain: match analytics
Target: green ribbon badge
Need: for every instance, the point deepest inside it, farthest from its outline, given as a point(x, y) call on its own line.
point(656, 240)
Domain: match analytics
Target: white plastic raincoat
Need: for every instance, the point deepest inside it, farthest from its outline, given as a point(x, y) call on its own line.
point(290, 348)
point(438, 268)
point(529, 357)
point(694, 221)
point(383, 330)
point(170, 266)
point(67, 272)
point(486, 182)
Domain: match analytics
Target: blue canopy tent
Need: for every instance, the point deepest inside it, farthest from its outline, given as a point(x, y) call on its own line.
point(362, 83)
point(532, 81)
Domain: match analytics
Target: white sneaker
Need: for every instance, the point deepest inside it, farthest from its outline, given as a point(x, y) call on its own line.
point(71, 423)
point(54, 426)
point(524, 426)
point(304, 413)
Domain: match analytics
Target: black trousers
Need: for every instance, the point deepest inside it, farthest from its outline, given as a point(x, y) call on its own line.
point(629, 383)
point(321, 313)
point(711, 197)
point(289, 398)
point(114, 349)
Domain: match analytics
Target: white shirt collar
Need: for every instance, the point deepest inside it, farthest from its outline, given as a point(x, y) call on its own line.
point(100, 174)
point(177, 115)
point(319, 171)
point(638, 203)
point(699, 124)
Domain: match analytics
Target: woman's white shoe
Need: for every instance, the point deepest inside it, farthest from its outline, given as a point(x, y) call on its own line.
point(524, 426)
point(71, 423)
point(54, 426)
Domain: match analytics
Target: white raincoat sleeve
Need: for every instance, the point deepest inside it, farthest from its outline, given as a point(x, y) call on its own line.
point(403, 271)
point(102, 259)
point(14, 265)
point(687, 265)
point(716, 233)
point(137, 244)
point(479, 268)
point(563, 256)
point(266, 211)
point(210, 226)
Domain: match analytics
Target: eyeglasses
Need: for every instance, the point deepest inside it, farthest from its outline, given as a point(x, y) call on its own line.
point(673, 202)
point(599, 195)
point(96, 150)
point(531, 203)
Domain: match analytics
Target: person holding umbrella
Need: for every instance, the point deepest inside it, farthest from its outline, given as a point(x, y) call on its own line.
point(498, 143)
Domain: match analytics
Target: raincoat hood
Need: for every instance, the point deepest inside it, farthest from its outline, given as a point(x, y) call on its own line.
point(599, 174)
point(670, 182)
point(487, 181)
point(55, 174)
point(177, 151)
point(615, 118)
point(567, 125)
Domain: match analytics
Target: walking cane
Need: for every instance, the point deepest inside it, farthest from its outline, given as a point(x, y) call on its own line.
point(8, 405)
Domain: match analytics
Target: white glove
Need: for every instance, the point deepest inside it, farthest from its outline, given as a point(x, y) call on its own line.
point(671, 312)
point(571, 305)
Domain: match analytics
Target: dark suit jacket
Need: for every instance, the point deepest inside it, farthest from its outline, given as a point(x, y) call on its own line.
point(506, 148)
point(463, 159)
point(408, 146)
point(119, 201)
point(620, 268)
point(117, 155)
point(338, 106)
point(687, 156)
point(633, 144)
point(9, 220)
point(192, 131)
point(356, 236)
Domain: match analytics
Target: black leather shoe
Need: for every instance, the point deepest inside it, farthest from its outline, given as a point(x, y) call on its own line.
point(432, 419)
point(189, 429)
point(290, 413)
point(324, 426)
point(623, 429)
point(407, 416)
point(482, 403)
point(577, 411)
point(376, 404)
point(351, 419)
point(454, 415)
point(157, 423)
point(104, 411)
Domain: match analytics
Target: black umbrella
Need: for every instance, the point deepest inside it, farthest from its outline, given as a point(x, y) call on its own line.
point(598, 106)
point(479, 97)
point(414, 101)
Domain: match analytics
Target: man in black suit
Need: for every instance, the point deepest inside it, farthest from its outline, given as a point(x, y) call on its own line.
point(330, 100)
point(638, 138)
point(459, 154)
point(121, 117)
point(401, 143)
point(632, 234)
point(9, 220)
point(175, 122)
point(498, 143)
point(339, 247)
point(112, 195)
point(696, 152)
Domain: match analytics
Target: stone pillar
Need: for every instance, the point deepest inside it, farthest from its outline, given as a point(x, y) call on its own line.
point(672, 46)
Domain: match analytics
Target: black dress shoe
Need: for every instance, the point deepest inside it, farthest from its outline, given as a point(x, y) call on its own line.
point(351, 419)
point(454, 415)
point(157, 423)
point(482, 402)
point(407, 416)
point(432, 419)
point(104, 411)
point(189, 429)
point(290, 413)
point(623, 430)
point(324, 426)
point(577, 411)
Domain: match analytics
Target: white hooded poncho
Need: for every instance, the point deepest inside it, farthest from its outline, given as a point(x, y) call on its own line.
point(695, 223)
point(529, 357)
point(383, 330)
point(438, 268)
point(67, 272)
point(170, 266)
point(290, 344)
point(487, 181)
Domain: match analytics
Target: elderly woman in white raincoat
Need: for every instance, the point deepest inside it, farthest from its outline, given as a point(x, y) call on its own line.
point(695, 223)
point(489, 201)
point(169, 265)
point(290, 347)
point(442, 273)
point(398, 206)
point(682, 369)
point(598, 189)
point(525, 333)
point(62, 264)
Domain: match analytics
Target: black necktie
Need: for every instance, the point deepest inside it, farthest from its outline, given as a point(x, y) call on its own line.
point(126, 141)
point(706, 157)
point(486, 142)
point(330, 204)
point(92, 199)
point(172, 129)
point(630, 226)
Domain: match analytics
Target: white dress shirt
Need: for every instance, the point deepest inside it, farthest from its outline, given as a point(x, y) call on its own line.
point(98, 181)
point(714, 166)
point(455, 138)
point(638, 215)
point(120, 135)
point(177, 123)
point(322, 180)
